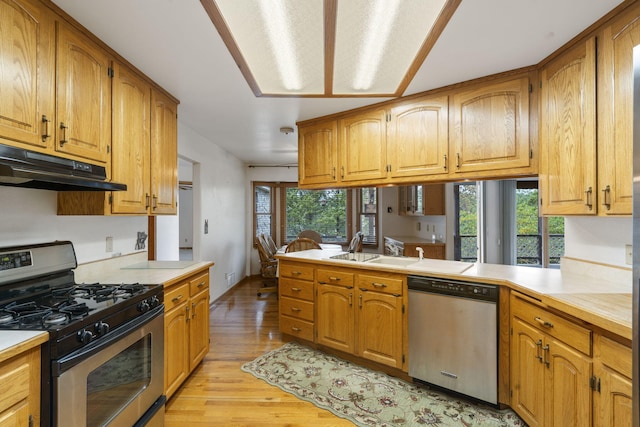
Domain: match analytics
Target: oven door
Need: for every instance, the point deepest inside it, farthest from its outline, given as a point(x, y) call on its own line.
point(115, 380)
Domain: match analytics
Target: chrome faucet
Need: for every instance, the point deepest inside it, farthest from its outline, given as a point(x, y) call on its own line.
point(420, 252)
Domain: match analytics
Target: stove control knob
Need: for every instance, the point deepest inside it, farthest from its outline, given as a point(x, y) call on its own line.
point(102, 328)
point(85, 336)
point(154, 302)
point(143, 307)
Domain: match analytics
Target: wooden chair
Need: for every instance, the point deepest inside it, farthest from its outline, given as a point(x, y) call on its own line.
point(311, 234)
point(268, 267)
point(356, 243)
point(302, 244)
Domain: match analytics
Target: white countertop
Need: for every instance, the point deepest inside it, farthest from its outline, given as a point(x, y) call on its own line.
point(13, 343)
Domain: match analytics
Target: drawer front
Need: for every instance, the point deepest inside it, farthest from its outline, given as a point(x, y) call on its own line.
point(615, 355)
point(332, 277)
point(296, 288)
point(388, 285)
point(296, 308)
point(296, 327)
point(558, 327)
point(175, 296)
point(199, 284)
point(296, 271)
point(15, 381)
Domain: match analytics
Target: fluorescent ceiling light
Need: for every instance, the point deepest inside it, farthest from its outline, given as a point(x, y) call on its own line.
point(329, 47)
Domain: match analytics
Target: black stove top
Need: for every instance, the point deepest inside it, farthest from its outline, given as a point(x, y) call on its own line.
point(38, 292)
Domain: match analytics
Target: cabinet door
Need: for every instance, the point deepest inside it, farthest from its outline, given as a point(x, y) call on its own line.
point(176, 348)
point(130, 146)
point(491, 127)
point(568, 133)
point(379, 320)
point(27, 74)
point(335, 317)
point(418, 138)
point(433, 195)
point(567, 391)
point(615, 112)
point(613, 404)
point(83, 96)
point(198, 329)
point(527, 373)
point(164, 154)
point(362, 145)
point(318, 153)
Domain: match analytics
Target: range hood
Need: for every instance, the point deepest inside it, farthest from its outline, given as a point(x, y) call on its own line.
point(30, 169)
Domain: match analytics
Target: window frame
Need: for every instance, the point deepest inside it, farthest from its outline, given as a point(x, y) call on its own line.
point(272, 206)
point(375, 215)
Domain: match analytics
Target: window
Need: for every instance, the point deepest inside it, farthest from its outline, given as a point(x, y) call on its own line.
point(263, 209)
point(325, 211)
point(498, 221)
point(465, 236)
point(367, 202)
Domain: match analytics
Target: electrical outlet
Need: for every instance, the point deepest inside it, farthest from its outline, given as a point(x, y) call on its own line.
point(109, 244)
point(206, 226)
point(628, 254)
point(418, 225)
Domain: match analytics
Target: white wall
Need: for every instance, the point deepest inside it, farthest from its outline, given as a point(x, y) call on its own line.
point(29, 216)
point(219, 196)
point(598, 239)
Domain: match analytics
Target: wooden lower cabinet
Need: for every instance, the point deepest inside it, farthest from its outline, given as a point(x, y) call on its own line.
point(20, 392)
point(361, 314)
point(186, 329)
point(612, 405)
point(296, 298)
point(551, 367)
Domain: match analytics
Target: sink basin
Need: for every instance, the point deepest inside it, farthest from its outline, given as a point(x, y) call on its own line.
point(397, 261)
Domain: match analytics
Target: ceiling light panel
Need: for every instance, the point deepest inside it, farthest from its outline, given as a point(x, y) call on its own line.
point(377, 42)
point(281, 41)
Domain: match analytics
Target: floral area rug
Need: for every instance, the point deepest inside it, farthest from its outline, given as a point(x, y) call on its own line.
point(365, 397)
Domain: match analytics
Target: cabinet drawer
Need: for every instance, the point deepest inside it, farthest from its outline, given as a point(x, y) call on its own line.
point(199, 284)
point(335, 278)
point(558, 327)
point(615, 355)
point(303, 272)
point(296, 327)
point(15, 380)
point(176, 296)
point(296, 288)
point(296, 308)
point(389, 285)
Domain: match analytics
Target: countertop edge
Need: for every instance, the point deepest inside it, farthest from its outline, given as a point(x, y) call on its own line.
point(18, 345)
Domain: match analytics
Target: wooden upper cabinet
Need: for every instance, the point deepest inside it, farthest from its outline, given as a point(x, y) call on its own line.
point(568, 133)
point(83, 96)
point(418, 138)
point(362, 144)
point(130, 162)
point(27, 74)
point(164, 154)
point(490, 128)
point(318, 153)
point(615, 112)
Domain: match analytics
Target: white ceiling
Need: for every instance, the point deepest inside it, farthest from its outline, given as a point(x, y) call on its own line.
point(175, 44)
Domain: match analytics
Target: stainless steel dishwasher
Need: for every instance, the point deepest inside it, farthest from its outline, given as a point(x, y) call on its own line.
point(453, 336)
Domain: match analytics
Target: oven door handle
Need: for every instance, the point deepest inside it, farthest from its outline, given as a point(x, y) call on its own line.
point(72, 359)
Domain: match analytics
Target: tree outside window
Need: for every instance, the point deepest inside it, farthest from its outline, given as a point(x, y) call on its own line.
point(324, 211)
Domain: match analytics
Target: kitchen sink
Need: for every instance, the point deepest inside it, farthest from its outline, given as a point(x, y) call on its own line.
point(398, 261)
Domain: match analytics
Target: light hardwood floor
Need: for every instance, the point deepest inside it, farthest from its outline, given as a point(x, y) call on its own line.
point(218, 393)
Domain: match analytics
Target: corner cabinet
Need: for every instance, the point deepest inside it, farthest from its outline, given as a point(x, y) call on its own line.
point(568, 133)
point(186, 329)
point(420, 200)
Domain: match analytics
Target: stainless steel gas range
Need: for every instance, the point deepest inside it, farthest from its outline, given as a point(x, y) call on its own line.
point(103, 364)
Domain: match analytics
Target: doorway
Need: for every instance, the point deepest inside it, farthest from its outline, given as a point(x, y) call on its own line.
point(185, 209)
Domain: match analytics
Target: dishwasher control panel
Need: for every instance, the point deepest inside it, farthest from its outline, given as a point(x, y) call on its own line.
point(453, 287)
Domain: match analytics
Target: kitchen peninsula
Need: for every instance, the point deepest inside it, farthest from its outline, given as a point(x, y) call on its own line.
point(572, 325)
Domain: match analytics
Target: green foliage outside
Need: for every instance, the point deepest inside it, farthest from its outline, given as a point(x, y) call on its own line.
point(324, 211)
